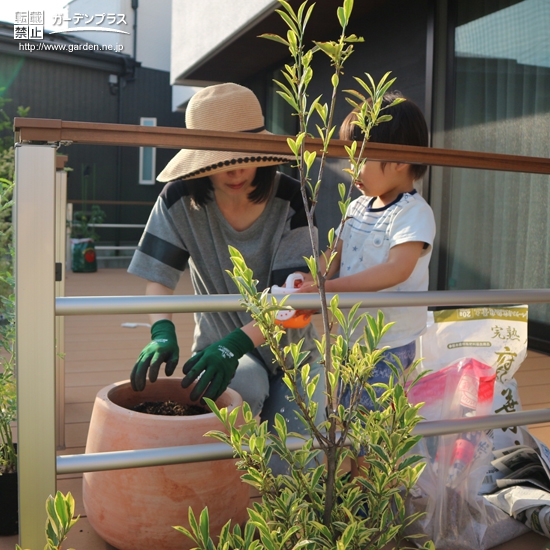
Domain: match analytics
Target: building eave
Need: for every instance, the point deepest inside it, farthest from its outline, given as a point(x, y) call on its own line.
point(245, 54)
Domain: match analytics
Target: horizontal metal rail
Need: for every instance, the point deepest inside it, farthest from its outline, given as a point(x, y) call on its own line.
point(108, 247)
point(161, 456)
point(97, 305)
point(118, 225)
point(107, 258)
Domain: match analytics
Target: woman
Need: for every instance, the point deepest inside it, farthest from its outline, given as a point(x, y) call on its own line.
point(214, 199)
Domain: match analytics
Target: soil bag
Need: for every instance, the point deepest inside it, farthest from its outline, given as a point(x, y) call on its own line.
point(496, 336)
point(83, 256)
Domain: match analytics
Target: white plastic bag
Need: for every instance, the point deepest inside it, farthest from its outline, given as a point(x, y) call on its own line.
point(447, 491)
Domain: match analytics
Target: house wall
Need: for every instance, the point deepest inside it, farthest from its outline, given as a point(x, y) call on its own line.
point(80, 93)
point(89, 8)
point(154, 32)
point(153, 28)
point(209, 25)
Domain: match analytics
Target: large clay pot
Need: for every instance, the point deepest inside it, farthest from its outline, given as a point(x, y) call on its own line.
point(135, 509)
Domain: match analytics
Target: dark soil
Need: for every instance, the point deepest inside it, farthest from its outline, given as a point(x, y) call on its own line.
point(169, 408)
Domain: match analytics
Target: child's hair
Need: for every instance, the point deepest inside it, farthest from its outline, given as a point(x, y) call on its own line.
point(407, 127)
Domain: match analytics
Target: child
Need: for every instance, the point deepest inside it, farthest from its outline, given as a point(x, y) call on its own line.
point(386, 241)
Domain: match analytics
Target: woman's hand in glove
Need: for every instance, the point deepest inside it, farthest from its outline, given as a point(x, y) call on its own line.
point(163, 348)
point(216, 365)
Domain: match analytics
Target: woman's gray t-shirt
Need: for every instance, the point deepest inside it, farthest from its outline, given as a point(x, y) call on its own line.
point(274, 246)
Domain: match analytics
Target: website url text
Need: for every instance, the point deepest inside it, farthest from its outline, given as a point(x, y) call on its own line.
point(45, 47)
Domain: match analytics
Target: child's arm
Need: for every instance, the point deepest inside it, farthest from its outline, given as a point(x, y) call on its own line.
point(399, 267)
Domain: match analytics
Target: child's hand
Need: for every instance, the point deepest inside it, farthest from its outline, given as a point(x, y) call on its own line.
point(306, 285)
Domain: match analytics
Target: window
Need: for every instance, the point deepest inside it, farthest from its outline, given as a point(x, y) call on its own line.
point(495, 225)
point(147, 157)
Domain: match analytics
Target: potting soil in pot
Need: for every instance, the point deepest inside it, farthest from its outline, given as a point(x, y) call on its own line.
point(169, 408)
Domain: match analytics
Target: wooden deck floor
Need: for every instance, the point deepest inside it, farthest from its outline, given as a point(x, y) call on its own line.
point(99, 351)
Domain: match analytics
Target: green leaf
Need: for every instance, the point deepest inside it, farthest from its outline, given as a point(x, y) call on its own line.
point(293, 146)
point(311, 387)
point(253, 477)
point(341, 191)
point(354, 38)
point(322, 110)
point(303, 543)
point(307, 76)
point(314, 106)
point(290, 23)
point(193, 522)
point(289, 99)
point(289, 9)
point(352, 150)
point(348, 8)
point(342, 17)
point(330, 48)
point(184, 531)
point(381, 453)
point(364, 85)
point(280, 427)
point(308, 15)
point(410, 461)
point(275, 38)
point(343, 208)
point(309, 158)
point(52, 517)
point(290, 91)
point(292, 41)
point(205, 525)
point(348, 535)
point(61, 509)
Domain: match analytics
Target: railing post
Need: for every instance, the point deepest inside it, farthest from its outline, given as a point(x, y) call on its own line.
point(60, 259)
point(34, 212)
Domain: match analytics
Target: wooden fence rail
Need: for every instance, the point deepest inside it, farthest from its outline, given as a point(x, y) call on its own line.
point(37, 130)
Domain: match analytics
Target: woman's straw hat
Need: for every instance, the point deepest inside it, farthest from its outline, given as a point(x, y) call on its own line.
point(227, 108)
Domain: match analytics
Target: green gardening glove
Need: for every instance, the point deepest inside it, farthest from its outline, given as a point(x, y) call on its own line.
point(216, 364)
point(163, 348)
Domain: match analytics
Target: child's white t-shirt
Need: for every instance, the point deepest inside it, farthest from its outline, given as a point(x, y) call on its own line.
point(369, 234)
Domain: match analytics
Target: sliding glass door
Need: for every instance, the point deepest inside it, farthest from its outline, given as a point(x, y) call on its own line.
point(496, 225)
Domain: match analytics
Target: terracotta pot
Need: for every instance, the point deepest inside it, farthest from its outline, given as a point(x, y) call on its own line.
point(135, 509)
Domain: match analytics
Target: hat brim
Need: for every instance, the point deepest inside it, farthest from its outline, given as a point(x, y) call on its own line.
point(184, 164)
point(190, 164)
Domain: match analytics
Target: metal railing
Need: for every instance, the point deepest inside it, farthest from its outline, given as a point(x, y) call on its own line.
point(37, 307)
point(114, 247)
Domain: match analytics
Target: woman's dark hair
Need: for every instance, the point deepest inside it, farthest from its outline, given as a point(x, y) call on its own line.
point(201, 189)
point(407, 127)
